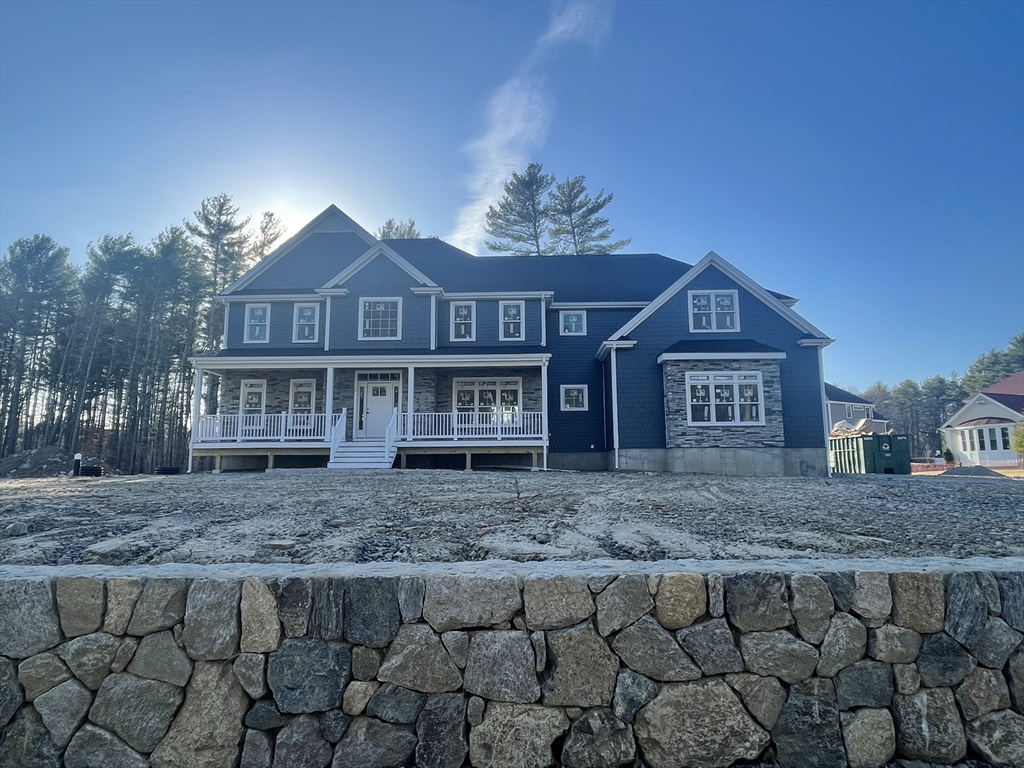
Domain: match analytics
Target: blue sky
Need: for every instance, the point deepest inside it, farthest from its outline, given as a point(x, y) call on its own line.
point(865, 157)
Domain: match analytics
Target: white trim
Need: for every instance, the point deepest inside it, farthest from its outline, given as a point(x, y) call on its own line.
point(332, 292)
point(316, 323)
point(544, 409)
point(427, 290)
point(410, 402)
point(543, 324)
point(606, 345)
point(433, 321)
point(329, 396)
point(721, 356)
point(700, 377)
point(814, 342)
point(499, 295)
point(615, 406)
point(561, 322)
point(212, 365)
point(274, 256)
point(197, 401)
point(980, 397)
point(245, 328)
point(291, 395)
point(713, 259)
point(241, 395)
point(327, 325)
point(824, 410)
point(451, 324)
point(501, 320)
point(257, 297)
point(359, 316)
point(224, 334)
point(586, 397)
point(356, 431)
point(598, 304)
point(713, 312)
point(379, 249)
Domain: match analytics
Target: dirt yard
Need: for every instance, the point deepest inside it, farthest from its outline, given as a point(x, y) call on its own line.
point(314, 516)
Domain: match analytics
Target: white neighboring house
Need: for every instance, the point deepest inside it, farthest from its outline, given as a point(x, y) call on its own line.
point(981, 432)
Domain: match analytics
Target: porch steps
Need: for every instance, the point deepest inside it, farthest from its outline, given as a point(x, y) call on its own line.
point(362, 454)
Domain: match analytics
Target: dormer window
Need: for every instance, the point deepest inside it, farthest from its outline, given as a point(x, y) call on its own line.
point(257, 323)
point(714, 311)
point(305, 329)
point(380, 318)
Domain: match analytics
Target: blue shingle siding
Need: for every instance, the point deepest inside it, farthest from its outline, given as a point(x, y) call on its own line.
point(282, 319)
point(641, 389)
point(487, 323)
point(311, 263)
point(380, 278)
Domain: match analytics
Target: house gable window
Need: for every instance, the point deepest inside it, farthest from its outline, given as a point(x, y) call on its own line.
point(714, 311)
point(257, 323)
point(306, 325)
point(572, 322)
point(510, 317)
point(463, 327)
point(380, 318)
point(574, 397)
point(725, 399)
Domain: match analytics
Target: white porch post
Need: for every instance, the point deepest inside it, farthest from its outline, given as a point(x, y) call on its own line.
point(329, 404)
point(615, 408)
point(543, 323)
point(410, 402)
point(197, 399)
point(544, 408)
point(327, 325)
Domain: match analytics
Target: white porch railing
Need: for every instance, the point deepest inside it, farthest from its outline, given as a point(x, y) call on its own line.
point(389, 433)
point(338, 434)
point(262, 427)
point(521, 425)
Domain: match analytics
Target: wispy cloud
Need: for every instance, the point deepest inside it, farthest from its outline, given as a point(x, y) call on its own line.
point(518, 115)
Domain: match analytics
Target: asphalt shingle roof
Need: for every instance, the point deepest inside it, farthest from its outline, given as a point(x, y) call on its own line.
point(719, 346)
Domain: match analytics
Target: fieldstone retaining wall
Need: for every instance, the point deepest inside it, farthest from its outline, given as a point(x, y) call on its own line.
point(500, 671)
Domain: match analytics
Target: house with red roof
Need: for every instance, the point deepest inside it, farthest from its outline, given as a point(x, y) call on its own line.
point(981, 433)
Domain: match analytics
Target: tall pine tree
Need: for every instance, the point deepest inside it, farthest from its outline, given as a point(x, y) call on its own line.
point(520, 221)
point(398, 230)
point(576, 226)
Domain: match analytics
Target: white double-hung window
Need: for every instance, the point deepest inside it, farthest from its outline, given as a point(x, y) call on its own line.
point(257, 323)
point(380, 318)
point(725, 398)
point(511, 313)
point(712, 311)
point(463, 321)
point(306, 325)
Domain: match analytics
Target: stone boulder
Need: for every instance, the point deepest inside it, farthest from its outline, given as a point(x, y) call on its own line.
point(369, 743)
point(999, 737)
point(26, 743)
point(457, 602)
point(651, 650)
point(356, 696)
point(122, 595)
point(682, 599)
point(294, 598)
point(333, 725)
point(80, 602)
point(918, 601)
point(778, 654)
point(212, 621)
point(757, 602)
point(516, 736)
point(712, 645)
point(894, 645)
point(418, 660)
point(261, 627)
point(37, 675)
point(63, 710)
point(308, 675)
point(257, 750)
point(89, 657)
point(501, 667)
point(865, 684)
point(457, 644)
point(942, 662)
point(966, 609)
point(93, 747)
point(762, 696)
point(812, 606)
point(842, 586)
point(264, 716)
point(845, 642)
point(1011, 593)
point(160, 606)
point(394, 704)
point(556, 602)
point(441, 732)
point(300, 744)
point(583, 669)
point(697, 725)
point(928, 726)
point(327, 609)
point(372, 614)
point(872, 597)
point(158, 657)
point(622, 602)
point(995, 643)
point(365, 662)
point(807, 731)
point(251, 671)
point(411, 590)
point(137, 710)
point(983, 691)
point(870, 737)
point(599, 740)
point(28, 618)
point(632, 691)
point(11, 696)
point(207, 732)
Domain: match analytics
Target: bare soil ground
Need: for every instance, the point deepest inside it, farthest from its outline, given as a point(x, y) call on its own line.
point(316, 516)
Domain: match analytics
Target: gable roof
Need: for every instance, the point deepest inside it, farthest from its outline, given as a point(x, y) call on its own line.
point(380, 249)
point(1008, 392)
point(836, 395)
point(712, 259)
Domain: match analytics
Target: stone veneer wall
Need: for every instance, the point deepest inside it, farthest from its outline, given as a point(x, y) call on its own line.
point(676, 669)
point(680, 434)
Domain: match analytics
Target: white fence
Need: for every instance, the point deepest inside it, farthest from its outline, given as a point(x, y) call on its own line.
point(519, 425)
point(264, 427)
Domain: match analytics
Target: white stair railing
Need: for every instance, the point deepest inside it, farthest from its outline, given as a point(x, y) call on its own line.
point(339, 432)
point(389, 434)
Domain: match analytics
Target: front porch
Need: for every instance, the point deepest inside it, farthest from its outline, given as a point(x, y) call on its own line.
point(387, 411)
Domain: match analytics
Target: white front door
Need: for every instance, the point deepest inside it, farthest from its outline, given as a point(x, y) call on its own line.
point(381, 397)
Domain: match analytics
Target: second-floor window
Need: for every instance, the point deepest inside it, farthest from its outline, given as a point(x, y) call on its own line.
point(307, 317)
point(572, 323)
point(257, 323)
point(712, 311)
point(463, 321)
point(511, 315)
point(380, 318)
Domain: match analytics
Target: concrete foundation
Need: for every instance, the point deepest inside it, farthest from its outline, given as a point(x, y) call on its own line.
point(748, 462)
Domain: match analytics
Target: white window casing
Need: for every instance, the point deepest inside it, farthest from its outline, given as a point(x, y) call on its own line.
point(252, 400)
point(511, 321)
point(306, 323)
point(572, 322)
point(849, 411)
point(724, 398)
point(257, 324)
point(302, 397)
point(713, 311)
point(380, 318)
point(574, 397)
point(463, 321)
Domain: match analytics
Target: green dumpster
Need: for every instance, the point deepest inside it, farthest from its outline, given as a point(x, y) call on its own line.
point(870, 455)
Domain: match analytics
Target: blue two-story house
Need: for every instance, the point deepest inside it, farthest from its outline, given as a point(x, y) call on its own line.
point(344, 351)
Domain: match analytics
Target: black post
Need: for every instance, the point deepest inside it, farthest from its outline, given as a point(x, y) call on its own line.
point(76, 469)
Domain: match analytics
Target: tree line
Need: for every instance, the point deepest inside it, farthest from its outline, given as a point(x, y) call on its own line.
point(95, 359)
point(918, 410)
